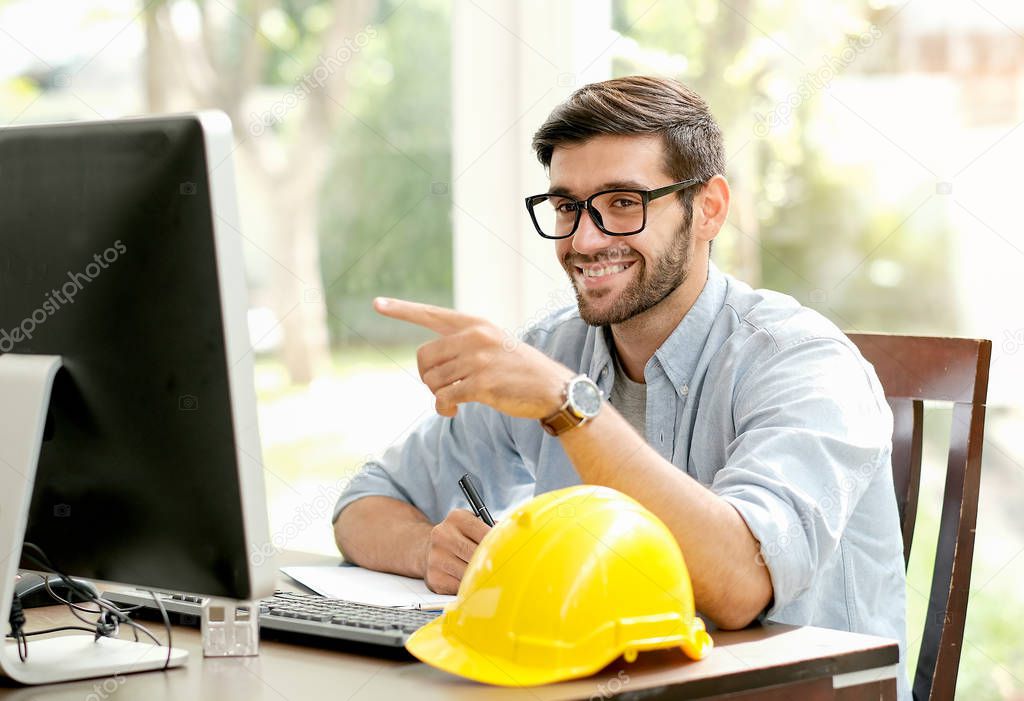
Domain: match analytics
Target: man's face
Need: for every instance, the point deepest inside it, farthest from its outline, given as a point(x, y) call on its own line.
point(619, 277)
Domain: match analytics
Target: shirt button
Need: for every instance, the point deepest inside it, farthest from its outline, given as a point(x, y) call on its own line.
point(684, 390)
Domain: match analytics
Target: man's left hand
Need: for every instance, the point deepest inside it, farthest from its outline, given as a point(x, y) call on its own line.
point(475, 361)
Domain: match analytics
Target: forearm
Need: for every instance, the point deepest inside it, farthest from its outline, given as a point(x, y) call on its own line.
point(730, 584)
point(385, 534)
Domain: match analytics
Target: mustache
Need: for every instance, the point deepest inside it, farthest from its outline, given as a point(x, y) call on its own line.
point(613, 256)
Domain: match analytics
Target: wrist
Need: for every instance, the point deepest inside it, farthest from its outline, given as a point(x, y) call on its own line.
point(553, 398)
point(419, 550)
point(581, 401)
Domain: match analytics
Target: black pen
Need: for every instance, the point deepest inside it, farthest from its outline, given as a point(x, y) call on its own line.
point(473, 497)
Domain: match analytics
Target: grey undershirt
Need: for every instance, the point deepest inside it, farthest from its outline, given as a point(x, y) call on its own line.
point(630, 399)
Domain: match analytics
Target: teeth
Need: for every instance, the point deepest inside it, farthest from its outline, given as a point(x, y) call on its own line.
point(608, 270)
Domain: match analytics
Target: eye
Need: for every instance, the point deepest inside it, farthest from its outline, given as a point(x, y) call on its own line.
point(625, 202)
point(565, 207)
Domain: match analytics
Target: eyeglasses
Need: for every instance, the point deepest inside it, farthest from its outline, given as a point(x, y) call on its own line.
point(620, 212)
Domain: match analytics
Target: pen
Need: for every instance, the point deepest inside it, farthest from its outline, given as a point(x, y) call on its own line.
point(473, 497)
point(431, 607)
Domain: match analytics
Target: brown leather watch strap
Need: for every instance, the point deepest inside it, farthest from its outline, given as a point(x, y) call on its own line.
point(560, 422)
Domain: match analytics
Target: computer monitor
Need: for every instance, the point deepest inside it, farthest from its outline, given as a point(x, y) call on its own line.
point(121, 264)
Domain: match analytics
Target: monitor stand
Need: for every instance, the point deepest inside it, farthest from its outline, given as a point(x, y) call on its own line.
point(25, 385)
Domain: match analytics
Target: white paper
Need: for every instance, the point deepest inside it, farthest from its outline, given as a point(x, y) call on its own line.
point(367, 586)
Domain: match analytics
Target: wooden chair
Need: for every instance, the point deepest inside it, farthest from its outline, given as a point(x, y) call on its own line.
point(913, 369)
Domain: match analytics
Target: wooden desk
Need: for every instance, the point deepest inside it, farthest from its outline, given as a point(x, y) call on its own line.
point(771, 662)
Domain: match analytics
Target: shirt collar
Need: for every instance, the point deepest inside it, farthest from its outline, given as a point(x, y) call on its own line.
point(679, 354)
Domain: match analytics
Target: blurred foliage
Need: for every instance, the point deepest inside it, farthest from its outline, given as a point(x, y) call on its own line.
point(385, 222)
point(822, 234)
point(15, 93)
point(297, 28)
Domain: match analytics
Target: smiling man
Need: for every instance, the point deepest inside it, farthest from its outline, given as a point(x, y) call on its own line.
point(749, 424)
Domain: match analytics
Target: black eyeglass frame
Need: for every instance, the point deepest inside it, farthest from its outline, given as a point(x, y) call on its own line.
point(645, 195)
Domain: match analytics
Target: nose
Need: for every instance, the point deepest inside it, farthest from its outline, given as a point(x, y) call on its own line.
point(588, 238)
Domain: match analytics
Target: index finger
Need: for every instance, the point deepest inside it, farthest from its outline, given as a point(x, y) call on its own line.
point(437, 319)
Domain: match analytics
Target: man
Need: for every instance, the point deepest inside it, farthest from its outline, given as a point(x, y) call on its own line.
point(749, 424)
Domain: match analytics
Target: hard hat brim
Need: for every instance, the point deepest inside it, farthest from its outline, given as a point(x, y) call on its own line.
point(429, 644)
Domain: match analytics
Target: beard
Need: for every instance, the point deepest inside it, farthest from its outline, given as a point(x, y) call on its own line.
point(649, 286)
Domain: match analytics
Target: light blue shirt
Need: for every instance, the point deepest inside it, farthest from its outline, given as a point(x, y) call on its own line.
point(763, 401)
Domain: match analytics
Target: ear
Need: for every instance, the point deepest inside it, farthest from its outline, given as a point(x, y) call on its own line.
point(710, 208)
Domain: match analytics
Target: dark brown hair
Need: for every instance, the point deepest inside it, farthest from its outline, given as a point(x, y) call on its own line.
point(638, 105)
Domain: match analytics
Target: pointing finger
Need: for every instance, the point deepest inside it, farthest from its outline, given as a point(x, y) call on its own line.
point(438, 319)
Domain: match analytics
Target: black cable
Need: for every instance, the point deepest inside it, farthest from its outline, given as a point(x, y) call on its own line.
point(82, 618)
point(136, 627)
point(95, 600)
point(41, 559)
point(167, 625)
point(107, 626)
point(17, 620)
point(109, 615)
point(58, 628)
point(103, 605)
point(74, 608)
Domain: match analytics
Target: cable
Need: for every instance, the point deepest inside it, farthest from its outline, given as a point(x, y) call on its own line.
point(58, 628)
point(109, 616)
point(98, 600)
point(41, 559)
point(17, 620)
point(101, 604)
point(167, 625)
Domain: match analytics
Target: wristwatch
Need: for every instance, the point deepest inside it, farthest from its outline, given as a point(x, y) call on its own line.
point(582, 403)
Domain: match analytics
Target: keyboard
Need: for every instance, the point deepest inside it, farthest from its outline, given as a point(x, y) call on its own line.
point(296, 613)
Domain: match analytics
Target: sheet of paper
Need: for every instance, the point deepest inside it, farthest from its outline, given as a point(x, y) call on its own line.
point(367, 587)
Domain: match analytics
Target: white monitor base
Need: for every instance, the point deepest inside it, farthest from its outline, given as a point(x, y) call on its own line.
point(78, 657)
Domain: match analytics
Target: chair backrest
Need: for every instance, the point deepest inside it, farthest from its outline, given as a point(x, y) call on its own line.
point(913, 369)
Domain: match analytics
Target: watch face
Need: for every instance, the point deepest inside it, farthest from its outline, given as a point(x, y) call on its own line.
point(586, 397)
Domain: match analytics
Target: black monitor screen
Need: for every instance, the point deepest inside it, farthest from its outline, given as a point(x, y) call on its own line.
point(107, 258)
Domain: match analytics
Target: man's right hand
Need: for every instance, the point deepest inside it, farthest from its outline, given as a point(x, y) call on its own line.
point(450, 545)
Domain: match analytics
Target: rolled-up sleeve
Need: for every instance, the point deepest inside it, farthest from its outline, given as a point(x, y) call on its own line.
point(424, 468)
point(812, 431)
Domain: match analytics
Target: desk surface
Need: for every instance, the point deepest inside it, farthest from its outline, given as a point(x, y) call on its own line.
point(812, 661)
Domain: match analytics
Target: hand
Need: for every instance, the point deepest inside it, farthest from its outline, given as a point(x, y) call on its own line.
point(449, 547)
point(472, 361)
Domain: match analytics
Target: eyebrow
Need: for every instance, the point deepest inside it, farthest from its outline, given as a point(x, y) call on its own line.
point(613, 185)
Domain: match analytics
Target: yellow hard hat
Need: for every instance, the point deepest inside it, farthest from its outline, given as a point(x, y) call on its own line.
point(561, 587)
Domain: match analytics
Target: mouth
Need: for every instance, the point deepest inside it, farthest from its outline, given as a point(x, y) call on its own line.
point(596, 274)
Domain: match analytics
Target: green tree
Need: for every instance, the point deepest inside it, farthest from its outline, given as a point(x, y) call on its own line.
point(385, 225)
point(800, 224)
point(300, 49)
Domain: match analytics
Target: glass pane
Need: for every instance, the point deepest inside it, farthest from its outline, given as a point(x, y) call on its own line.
point(331, 103)
point(621, 212)
point(555, 215)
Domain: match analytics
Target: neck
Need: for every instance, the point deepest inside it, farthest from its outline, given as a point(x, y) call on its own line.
point(637, 338)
